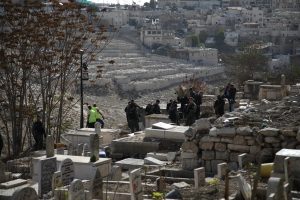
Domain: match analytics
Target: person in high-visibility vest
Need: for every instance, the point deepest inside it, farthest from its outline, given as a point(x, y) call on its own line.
point(91, 117)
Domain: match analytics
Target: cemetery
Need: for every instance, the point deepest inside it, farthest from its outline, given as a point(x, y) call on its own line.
point(251, 153)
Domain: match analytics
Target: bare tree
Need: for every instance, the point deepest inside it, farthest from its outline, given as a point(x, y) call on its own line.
point(39, 49)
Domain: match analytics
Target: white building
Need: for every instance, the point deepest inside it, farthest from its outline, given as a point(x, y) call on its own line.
point(115, 17)
point(205, 56)
point(156, 35)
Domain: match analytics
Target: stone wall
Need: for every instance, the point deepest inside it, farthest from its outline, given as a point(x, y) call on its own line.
point(226, 143)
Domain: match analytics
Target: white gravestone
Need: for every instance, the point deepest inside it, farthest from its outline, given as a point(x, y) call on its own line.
point(98, 128)
point(27, 193)
point(94, 145)
point(49, 146)
point(76, 190)
point(56, 180)
point(67, 171)
point(97, 186)
point(47, 167)
point(136, 184)
point(199, 177)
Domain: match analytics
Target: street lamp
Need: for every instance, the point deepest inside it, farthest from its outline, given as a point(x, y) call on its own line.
point(81, 90)
point(83, 76)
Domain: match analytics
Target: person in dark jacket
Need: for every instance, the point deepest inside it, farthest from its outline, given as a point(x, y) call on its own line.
point(156, 107)
point(191, 112)
point(38, 132)
point(132, 116)
point(149, 109)
point(231, 97)
point(173, 113)
point(219, 106)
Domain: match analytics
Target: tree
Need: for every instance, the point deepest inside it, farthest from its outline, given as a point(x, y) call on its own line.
point(243, 65)
point(193, 41)
point(219, 37)
point(39, 49)
point(203, 36)
point(152, 4)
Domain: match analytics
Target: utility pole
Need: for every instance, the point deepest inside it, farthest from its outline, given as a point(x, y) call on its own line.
point(81, 90)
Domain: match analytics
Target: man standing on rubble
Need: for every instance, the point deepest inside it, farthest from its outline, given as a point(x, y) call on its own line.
point(133, 117)
point(219, 106)
point(231, 97)
point(191, 112)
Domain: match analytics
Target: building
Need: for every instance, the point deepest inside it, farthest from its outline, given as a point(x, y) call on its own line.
point(203, 56)
point(157, 35)
point(115, 17)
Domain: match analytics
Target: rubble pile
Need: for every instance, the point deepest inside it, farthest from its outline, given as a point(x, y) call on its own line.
point(259, 133)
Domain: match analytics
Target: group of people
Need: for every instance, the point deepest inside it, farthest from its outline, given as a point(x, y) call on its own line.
point(189, 108)
point(94, 115)
point(153, 108)
point(229, 94)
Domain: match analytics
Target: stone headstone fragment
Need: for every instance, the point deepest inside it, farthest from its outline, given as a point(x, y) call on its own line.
point(67, 171)
point(97, 186)
point(160, 184)
point(80, 149)
point(76, 190)
point(56, 180)
point(116, 173)
point(245, 188)
point(241, 160)
point(47, 167)
point(222, 167)
point(98, 128)
point(94, 145)
point(199, 177)
point(27, 193)
point(136, 184)
point(49, 146)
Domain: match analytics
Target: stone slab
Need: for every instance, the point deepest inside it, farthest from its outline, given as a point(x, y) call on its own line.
point(13, 183)
point(162, 125)
point(153, 161)
point(159, 156)
point(130, 163)
point(177, 133)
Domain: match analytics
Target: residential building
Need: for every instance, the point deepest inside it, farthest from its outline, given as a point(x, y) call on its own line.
point(156, 35)
point(203, 56)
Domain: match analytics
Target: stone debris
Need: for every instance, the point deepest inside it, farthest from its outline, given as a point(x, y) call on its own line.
point(180, 185)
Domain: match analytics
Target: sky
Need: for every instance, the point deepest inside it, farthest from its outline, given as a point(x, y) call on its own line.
point(140, 2)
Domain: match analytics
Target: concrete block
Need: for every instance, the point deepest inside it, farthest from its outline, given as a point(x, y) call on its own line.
point(220, 147)
point(208, 155)
point(269, 132)
point(214, 165)
point(206, 145)
point(222, 155)
point(240, 148)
